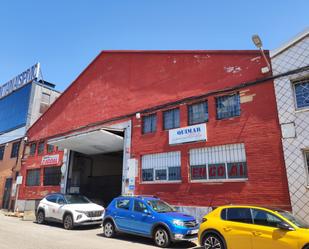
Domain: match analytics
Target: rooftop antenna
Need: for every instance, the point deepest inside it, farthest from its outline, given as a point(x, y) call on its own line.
point(258, 43)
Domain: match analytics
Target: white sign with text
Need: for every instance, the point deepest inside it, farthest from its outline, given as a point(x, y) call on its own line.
point(188, 134)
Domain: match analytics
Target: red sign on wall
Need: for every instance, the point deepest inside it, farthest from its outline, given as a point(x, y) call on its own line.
point(50, 160)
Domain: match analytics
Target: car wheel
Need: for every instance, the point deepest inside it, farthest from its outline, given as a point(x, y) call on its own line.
point(41, 217)
point(109, 229)
point(161, 238)
point(68, 223)
point(212, 241)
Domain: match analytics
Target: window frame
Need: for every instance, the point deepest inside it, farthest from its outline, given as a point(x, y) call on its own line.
point(227, 213)
point(166, 168)
point(152, 117)
point(294, 83)
point(204, 166)
point(2, 149)
point(189, 116)
point(35, 148)
point(163, 118)
point(14, 153)
point(50, 146)
point(45, 176)
point(43, 147)
point(39, 178)
point(227, 95)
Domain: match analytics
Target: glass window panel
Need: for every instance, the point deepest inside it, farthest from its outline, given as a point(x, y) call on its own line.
point(2, 149)
point(171, 119)
point(237, 170)
point(263, 218)
point(302, 94)
point(228, 106)
point(33, 177)
point(32, 149)
point(198, 113)
point(198, 172)
point(147, 175)
point(14, 109)
point(52, 176)
point(216, 171)
point(174, 173)
point(15, 149)
point(40, 148)
point(123, 204)
point(242, 215)
point(161, 174)
point(149, 123)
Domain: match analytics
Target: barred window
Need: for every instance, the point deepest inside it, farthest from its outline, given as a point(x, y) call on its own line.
point(171, 119)
point(33, 177)
point(161, 167)
point(2, 149)
point(228, 106)
point(15, 149)
point(52, 176)
point(149, 123)
point(302, 94)
point(218, 163)
point(198, 113)
point(41, 148)
point(32, 149)
point(50, 148)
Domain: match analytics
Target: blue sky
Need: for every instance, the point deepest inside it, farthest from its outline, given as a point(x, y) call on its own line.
point(65, 35)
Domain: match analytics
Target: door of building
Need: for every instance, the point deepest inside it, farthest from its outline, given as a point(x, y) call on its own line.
point(7, 193)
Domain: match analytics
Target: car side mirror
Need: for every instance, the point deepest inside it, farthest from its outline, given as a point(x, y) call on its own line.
point(61, 203)
point(285, 226)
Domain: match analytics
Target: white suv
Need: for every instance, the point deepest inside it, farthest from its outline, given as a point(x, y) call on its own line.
point(71, 210)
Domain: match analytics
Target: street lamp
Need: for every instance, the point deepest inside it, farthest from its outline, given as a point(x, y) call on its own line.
point(258, 43)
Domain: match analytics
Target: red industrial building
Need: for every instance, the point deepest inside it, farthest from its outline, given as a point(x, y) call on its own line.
point(196, 128)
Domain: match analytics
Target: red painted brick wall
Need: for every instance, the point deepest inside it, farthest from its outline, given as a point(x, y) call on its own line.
point(257, 128)
point(120, 83)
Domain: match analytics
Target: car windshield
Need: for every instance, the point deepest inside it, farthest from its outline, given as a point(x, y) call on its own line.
point(296, 221)
point(160, 206)
point(76, 199)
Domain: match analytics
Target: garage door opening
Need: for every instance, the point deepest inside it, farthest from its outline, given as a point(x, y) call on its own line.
point(95, 165)
point(99, 177)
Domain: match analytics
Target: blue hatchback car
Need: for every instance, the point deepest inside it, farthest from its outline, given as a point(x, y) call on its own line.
point(149, 217)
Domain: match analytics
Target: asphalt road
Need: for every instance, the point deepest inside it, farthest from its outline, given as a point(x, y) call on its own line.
point(18, 234)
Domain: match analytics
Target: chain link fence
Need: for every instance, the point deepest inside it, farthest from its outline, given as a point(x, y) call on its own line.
point(292, 95)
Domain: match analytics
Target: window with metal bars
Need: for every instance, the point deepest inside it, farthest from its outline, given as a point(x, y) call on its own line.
point(198, 113)
point(161, 167)
point(15, 149)
point(52, 176)
point(302, 94)
point(217, 163)
point(171, 119)
point(149, 123)
point(228, 106)
point(33, 177)
point(2, 149)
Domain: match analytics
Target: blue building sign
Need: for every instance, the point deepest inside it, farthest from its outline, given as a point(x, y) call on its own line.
point(14, 109)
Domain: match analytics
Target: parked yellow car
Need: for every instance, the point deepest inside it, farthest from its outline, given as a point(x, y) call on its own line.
point(249, 227)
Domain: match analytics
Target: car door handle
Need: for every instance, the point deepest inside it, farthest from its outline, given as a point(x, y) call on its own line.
point(227, 229)
point(256, 233)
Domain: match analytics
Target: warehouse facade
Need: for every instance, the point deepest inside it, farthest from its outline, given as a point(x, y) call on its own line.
point(181, 125)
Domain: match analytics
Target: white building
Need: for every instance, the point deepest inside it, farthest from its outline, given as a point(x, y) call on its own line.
point(292, 94)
